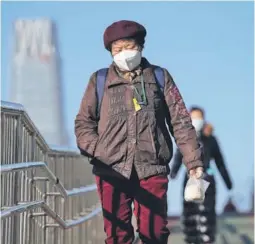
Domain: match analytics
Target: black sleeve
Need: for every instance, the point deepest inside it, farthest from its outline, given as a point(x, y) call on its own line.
point(219, 161)
point(177, 162)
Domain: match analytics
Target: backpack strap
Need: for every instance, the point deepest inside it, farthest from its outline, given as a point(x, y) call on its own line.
point(100, 83)
point(160, 77)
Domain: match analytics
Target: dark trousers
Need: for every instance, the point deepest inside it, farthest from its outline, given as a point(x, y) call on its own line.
point(150, 208)
point(206, 211)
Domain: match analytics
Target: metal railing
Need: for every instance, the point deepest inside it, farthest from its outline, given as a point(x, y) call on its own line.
point(47, 194)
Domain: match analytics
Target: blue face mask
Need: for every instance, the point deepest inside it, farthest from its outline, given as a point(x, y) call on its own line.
point(198, 124)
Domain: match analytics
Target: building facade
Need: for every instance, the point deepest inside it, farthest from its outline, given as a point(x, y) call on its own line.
point(36, 77)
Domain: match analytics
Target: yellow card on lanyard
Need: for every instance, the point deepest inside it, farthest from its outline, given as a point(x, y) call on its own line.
point(136, 105)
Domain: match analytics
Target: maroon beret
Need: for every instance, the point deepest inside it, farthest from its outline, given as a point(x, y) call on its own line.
point(124, 29)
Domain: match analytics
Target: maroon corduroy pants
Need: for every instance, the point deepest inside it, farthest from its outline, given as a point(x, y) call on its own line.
point(150, 208)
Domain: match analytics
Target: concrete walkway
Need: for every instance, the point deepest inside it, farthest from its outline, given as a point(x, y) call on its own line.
point(231, 230)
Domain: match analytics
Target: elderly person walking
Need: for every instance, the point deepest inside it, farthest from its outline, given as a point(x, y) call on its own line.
point(121, 126)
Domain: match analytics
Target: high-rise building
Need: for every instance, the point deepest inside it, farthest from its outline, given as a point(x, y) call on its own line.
point(36, 77)
point(252, 203)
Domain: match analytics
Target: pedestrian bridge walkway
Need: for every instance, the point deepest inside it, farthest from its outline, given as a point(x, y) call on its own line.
point(48, 194)
point(232, 229)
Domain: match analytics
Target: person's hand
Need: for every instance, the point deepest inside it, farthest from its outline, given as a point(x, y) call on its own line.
point(197, 172)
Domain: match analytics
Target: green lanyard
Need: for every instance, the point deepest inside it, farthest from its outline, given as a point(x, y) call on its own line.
point(142, 97)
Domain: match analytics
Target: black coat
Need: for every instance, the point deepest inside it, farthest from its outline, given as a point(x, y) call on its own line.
point(211, 151)
point(199, 220)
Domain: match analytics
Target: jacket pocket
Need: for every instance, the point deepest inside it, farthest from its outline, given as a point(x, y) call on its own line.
point(112, 145)
point(165, 151)
point(154, 96)
point(153, 144)
point(146, 147)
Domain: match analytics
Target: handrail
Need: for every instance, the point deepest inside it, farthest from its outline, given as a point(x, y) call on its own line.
point(20, 108)
point(41, 204)
point(14, 106)
point(64, 149)
point(62, 172)
point(9, 211)
point(8, 168)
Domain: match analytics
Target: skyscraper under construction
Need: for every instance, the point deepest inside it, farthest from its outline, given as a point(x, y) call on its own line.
point(36, 77)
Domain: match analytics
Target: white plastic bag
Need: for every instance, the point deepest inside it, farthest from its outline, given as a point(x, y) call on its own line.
point(195, 190)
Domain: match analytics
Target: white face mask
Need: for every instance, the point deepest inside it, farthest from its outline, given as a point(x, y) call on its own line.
point(128, 59)
point(198, 124)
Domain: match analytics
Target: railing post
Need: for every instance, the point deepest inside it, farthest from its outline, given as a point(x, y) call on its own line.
point(18, 158)
point(45, 200)
point(31, 224)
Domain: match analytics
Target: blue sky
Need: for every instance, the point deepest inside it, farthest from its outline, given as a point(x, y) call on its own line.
point(206, 46)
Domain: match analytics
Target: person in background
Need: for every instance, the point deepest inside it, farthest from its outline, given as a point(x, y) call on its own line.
point(200, 219)
point(128, 140)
